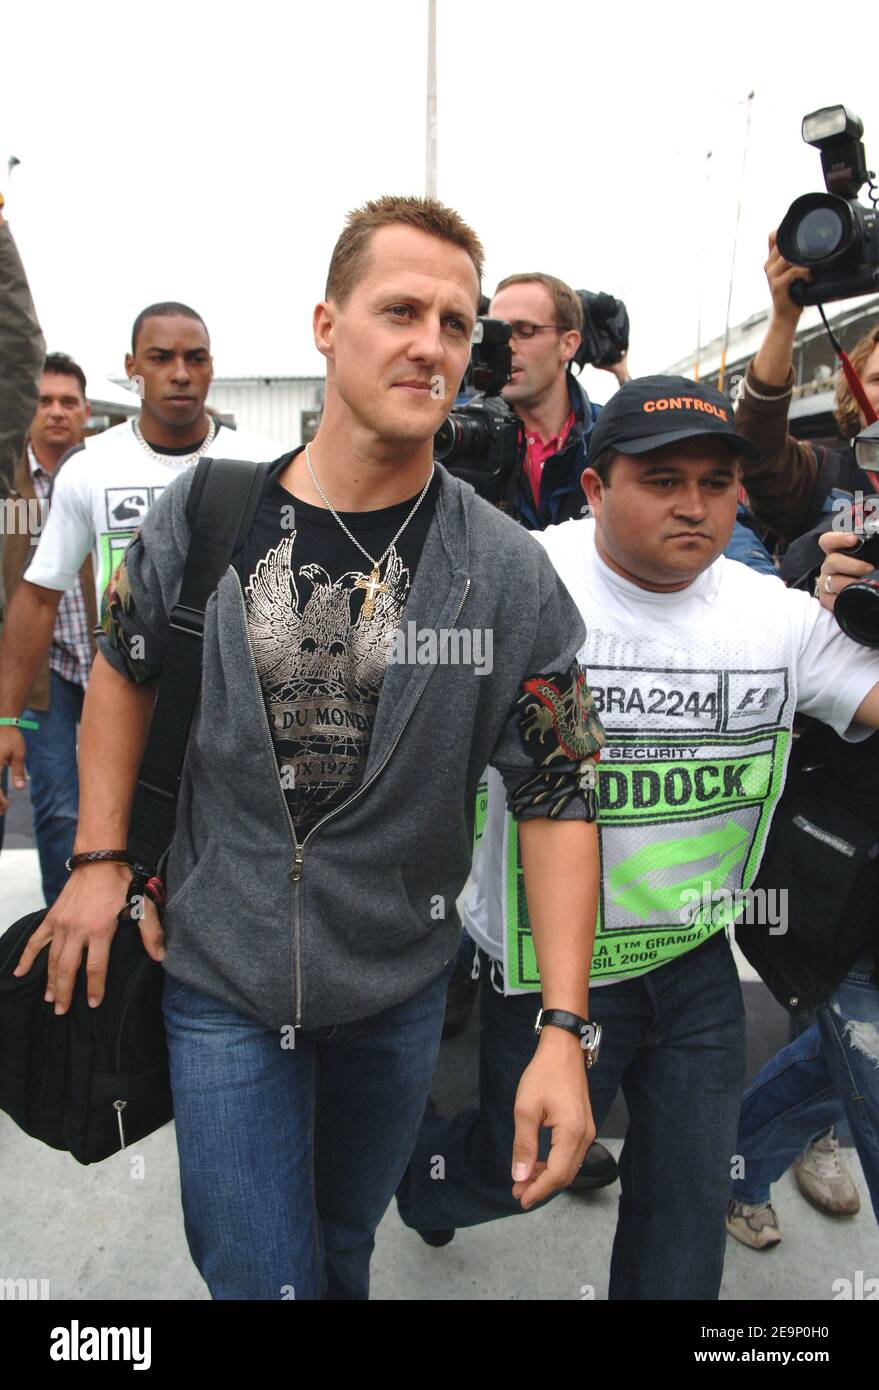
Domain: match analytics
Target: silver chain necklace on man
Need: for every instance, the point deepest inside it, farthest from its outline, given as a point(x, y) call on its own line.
point(372, 582)
point(176, 460)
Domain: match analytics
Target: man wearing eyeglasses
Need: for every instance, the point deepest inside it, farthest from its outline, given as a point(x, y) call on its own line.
point(547, 320)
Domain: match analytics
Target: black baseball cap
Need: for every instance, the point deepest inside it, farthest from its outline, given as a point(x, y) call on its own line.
point(654, 410)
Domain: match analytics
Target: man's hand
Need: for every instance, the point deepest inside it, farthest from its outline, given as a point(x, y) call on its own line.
point(781, 274)
point(619, 369)
point(839, 570)
point(12, 752)
point(773, 361)
point(552, 1092)
point(84, 919)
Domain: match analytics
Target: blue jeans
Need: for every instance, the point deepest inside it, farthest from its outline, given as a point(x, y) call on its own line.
point(289, 1156)
point(674, 1041)
point(829, 1073)
point(52, 769)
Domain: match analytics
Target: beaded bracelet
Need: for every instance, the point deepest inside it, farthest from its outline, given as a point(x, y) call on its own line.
point(20, 723)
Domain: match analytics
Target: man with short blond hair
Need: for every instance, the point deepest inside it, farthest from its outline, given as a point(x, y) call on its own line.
point(325, 821)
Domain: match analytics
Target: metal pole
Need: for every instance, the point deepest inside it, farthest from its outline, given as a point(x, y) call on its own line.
point(732, 269)
point(702, 270)
point(430, 148)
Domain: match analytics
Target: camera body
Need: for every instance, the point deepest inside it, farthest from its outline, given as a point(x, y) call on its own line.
point(831, 233)
point(483, 440)
point(857, 605)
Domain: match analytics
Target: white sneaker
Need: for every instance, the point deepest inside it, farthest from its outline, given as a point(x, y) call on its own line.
point(757, 1227)
point(824, 1180)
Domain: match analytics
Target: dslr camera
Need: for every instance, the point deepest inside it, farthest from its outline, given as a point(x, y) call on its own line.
point(831, 233)
point(483, 440)
point(857, 605)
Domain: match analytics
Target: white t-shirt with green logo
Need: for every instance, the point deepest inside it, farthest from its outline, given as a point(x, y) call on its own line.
point(102, 494)
point(697, 692)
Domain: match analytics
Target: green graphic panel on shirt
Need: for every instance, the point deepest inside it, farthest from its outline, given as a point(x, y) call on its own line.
point(680, 832)
point(481, 812)
point(112, 545)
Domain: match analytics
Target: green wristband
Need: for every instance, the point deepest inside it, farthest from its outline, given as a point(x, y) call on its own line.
point(20, 723)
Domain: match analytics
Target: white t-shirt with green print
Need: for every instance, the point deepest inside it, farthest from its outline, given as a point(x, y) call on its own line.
point(696, 691)
point(104, 490)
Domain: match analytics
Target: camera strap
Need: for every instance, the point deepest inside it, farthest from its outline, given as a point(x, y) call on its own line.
point(854, 381)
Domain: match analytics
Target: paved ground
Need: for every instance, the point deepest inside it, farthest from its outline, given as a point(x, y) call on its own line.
point(107, 1232)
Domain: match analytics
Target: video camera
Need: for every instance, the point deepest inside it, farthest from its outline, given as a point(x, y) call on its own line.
point(831, 233)
point(604, 340)
point(483, 440)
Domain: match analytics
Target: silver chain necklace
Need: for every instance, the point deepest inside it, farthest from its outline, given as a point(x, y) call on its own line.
point(371, 583)
point(176, 460)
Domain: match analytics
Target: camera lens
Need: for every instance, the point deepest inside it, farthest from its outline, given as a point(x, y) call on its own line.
point(857, 610)
point(820, 234)
point(446, 440)
point(461, 435)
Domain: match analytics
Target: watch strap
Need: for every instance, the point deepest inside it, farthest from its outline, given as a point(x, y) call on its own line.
point(589, 1034)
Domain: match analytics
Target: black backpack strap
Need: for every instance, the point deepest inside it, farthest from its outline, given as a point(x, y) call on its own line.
point(220, 508)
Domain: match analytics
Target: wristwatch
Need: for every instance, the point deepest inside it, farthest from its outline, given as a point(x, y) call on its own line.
point(588, 1033)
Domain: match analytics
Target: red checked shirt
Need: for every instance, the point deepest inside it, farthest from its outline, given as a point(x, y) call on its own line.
point(538, 452)
point(70, 655)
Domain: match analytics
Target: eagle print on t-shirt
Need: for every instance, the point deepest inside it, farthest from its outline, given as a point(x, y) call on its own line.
point(321, 661)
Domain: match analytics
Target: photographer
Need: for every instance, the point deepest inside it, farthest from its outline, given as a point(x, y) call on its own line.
point(784, 489)
point(547, 321)
point(825, 1075)
point(831, 1072)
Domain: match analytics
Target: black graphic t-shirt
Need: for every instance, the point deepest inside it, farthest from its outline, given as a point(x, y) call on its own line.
point(321, 633)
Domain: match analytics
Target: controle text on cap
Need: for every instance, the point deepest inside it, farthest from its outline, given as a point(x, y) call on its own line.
point(651, 411)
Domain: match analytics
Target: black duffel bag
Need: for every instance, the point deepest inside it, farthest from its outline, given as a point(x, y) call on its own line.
point(92, 1081)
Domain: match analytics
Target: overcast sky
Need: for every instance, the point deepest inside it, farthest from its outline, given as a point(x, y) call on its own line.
point(209, 152)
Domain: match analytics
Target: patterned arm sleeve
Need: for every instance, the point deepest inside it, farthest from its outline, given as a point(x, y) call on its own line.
point(562, 734)
point(549, 745)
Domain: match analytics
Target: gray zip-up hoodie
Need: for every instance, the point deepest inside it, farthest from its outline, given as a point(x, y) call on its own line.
point(361, 914)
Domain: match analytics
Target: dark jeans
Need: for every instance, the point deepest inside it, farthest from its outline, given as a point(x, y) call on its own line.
point(674, 1041)
point(289, 1156)
point(4, 787)
point(52, 769)
point(829, 1073)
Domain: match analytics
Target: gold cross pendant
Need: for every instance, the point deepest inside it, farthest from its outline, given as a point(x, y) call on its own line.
point(373, 586)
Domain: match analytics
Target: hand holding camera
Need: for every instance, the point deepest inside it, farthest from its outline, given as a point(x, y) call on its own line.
point(780, 275)
point(841, 568)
